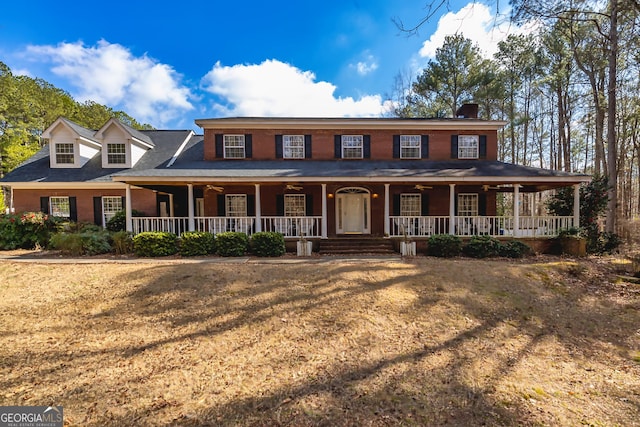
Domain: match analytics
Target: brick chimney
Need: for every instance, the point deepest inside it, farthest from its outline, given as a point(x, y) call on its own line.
point(467, 111)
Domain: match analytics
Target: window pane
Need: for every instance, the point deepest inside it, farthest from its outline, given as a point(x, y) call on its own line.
point(352, 146)
point(236, 204)
point(110, 206)
point(59, 206)
point(234, 147)
point(467, 205)
point(116, 154)
point(64, 153)
point(410, 146)
point(294, 205)
point(293, 146)
point(468, 146)
point(410, 205)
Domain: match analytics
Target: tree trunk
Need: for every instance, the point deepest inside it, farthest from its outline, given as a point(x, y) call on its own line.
point(612, 154)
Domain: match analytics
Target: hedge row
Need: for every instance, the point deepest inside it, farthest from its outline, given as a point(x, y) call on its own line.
point(447, 245)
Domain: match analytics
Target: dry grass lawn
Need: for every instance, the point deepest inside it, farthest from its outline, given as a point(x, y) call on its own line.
point(545, 341)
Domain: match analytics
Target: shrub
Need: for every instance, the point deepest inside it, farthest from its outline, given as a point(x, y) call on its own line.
point(89, 242)
point(26, 231)
point(122, 242)
point(268, 243)
point(444, 245)
point(514, 249)
point(118, 222)
point(155, 244)
point(231, 243)
point(482, 247)
point(195, 243)
point(604, 243)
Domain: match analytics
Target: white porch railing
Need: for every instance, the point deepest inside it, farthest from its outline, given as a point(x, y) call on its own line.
point(220, 224)
point(529, 226)
point(175, 225)
point(294, 226)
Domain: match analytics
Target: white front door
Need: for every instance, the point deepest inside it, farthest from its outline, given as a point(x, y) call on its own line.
point(352, 213)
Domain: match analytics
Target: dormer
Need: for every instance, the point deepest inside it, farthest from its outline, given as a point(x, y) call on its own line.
point(122, 146)
point(70, 145)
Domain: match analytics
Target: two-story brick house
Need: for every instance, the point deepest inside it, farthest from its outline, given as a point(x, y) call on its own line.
point(318, 177)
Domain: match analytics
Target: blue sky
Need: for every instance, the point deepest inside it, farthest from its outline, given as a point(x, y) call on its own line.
point(169, 63)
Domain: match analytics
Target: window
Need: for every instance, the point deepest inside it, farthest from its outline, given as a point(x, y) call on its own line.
point(410, 205)
point(64, 153)
point(234, 147)
point(110, 206)
point(352, 147)
point(467, 205)
point(236, 205)
point(293, 146)
point(59, 207)
point(410, 146)
point(116, 154)
point(468, 147)
point(294, 205)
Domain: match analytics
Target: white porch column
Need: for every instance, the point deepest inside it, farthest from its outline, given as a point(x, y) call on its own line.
point(386, 210)
point(452, 209)
point(258, 210)
point(516, 210)
point(323, 225)
point(127, 208)
point(576, 205)
point(191, 226)
point(171, 207)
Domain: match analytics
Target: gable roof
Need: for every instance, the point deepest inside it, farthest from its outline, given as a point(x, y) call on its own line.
point(134, 133)
point(76, 128)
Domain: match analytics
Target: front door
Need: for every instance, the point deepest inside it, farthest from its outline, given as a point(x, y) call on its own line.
point(352, 211)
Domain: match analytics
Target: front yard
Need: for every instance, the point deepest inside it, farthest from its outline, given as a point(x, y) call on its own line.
point(545, 341)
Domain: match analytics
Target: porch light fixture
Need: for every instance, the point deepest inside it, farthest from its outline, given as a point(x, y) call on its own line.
point(375, 195)
point(330, 196)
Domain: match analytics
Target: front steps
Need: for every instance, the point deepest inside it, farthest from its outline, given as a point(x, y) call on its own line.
point(356, 246)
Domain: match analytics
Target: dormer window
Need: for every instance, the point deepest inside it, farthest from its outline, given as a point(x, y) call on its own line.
point(234, 147)
point(64, 153)
point(116, 154)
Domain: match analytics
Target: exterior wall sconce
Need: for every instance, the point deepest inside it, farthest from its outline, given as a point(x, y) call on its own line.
point(375, 195)
point(330, 196)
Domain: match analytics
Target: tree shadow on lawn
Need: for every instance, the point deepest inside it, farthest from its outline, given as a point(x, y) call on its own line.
point(412, 344)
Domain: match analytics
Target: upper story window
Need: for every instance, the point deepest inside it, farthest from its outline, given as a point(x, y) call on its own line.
point(294, 205)
point(293, 146)
point(116, 154)
point(410, 205)
point(410, 146)
point(59, 206)
point(352, 147)
point(65, 153)
point(234, 147)
point(467, 204)
point(468, 146)
point(236, 205)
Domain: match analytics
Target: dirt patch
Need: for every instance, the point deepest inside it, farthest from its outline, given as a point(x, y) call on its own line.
point(546, 341)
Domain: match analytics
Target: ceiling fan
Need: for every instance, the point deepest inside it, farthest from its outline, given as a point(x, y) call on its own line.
point(487, 187)
point(422, 187)
point(215, 188)
point(294, 187)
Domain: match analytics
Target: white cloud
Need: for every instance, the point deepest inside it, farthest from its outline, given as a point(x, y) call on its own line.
point(277, 89)
point(476, 22)
point(365, 67)
point(110, 74)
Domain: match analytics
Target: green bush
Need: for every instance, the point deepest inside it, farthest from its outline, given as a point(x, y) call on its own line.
point(231, 243)
point(87, 242)
point(155, 244)
point(444, 245)
point(604, 243)
point(26, 231)
point(482, 247)
point(118, 222)
point(514, 249)
point(122, 242)
point(268, 243)
point(196, 243)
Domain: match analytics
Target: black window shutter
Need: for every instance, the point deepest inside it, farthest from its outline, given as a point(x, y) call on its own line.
point(396, 146)
point(424, 149)
point(251, 205)
point(337, 145)
point(366, 142)
point(279, 154)
point(248, 146)
point(308, 200)
point(307, 146)
point(73, 209)
point(482, 204)
point(219, 146)
point(482, 148)
point(44, 205)
point(424, 208)
point(396, 204)
point(454, 146)
point(97, 210)
point(222, 208)
point(124, 203)
point(279, 204)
